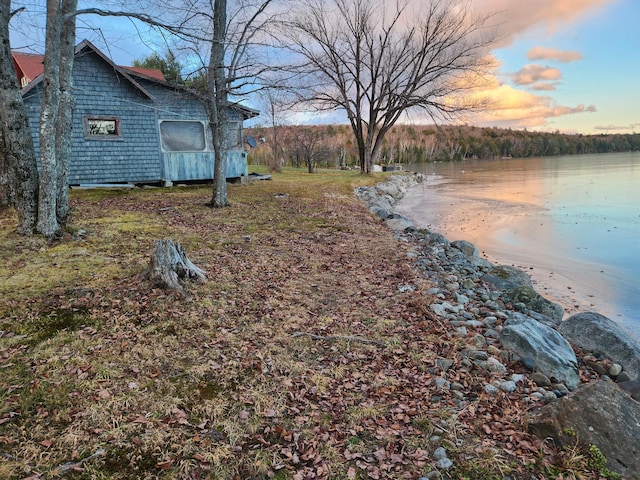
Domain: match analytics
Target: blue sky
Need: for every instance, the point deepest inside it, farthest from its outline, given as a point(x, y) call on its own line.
point(568, 65)
point(586, 74)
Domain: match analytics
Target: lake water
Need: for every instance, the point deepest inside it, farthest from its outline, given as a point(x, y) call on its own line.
point(571, 222)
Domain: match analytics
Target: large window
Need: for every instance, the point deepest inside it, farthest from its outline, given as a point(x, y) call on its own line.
point(182, 136)
point(101, 128)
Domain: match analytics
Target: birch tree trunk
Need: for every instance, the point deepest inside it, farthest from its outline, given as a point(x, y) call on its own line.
point(47, 221)
point(17, 153)
point(55, 75)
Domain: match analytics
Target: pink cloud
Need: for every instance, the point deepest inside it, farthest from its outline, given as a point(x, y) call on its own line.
point(517, 17)
point(513, 108)
point(533, 73)
point(543, 87)
point(542, 53)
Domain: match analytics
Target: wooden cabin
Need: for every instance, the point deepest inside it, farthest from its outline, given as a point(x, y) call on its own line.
point(131, 126)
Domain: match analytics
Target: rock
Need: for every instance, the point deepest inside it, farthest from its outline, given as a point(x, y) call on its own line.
point(388, 188)
point(461, 332)
point(490, 389)
point(632, 387)
point(437, 239)
point(623, 377)
point(398, 223)
point(380, 211)
point(535, 302)
point(444, 464)
point(551, 353)
point(434, 475)
point(467, 248)
point(540, 379)
point(615, 369)
point(508, 386)
point(505, 277)
point(473, 323)
point(442, 383)
point(599, 335)
point(492, 365)
point(596, 367)
point(444, 364)
point(439, 453)
point(598, 414)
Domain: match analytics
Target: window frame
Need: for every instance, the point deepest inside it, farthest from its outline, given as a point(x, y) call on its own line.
point(86, 119)
point(172, 120)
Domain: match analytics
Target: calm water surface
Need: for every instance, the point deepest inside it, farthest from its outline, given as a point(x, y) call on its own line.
point(572, 222)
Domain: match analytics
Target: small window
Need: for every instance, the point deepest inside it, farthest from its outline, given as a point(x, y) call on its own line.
point(101, 128)
point(182, 136)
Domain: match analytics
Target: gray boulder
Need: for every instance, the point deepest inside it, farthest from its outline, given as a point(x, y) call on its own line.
point(392, 189)
point(599, 414)
point(437, 239)
point(506, 277)
point(599, 335)
point(548, 352)
point(380, 211)
point(535, 302)
point(467, 248)
point(515, 317)
point(398, 223)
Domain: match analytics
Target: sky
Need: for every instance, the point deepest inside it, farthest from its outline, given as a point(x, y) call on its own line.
point(562, 65)
point(567, 65)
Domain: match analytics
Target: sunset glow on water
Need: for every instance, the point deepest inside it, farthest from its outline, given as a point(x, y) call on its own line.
point(571, 222)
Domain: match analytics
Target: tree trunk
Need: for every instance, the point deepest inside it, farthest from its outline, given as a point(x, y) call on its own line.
point(56, 111)
point(65, 114)
point(17, 153)
point(217, 82)
point(47, 220)
point(169, 264)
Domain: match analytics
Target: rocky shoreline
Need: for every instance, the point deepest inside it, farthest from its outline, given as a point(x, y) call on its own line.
point(586, 367)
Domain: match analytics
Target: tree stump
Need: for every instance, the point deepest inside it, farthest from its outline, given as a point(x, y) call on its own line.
point(170, 264)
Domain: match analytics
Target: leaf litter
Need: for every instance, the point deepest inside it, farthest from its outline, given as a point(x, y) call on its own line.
point(302, 356)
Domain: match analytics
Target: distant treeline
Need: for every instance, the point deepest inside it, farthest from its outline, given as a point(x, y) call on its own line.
point(333, 146)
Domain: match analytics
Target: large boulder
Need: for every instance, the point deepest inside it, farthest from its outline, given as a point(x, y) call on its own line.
point(535, 302)
point(467, 248)
point(392, 189)
point(506, 277)
point(542, 346)
point(397, 223)
point(601, 336)
point(599, 414)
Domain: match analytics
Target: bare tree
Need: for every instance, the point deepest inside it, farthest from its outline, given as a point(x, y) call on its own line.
point(274, 104)
point(379, 60)
point(228, 42)
point(18, 170)
point(310, 145)
point(231, 71)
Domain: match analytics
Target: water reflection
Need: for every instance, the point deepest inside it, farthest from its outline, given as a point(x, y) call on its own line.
point(572, 222)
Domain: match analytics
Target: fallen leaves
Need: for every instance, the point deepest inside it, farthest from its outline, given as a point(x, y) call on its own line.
point(218, 382)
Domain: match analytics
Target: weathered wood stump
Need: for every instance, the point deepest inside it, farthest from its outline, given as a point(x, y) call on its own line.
point(170, 264)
